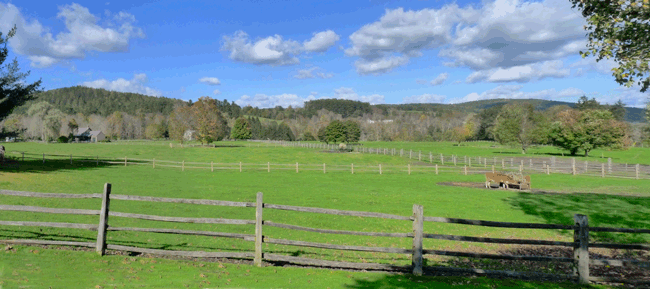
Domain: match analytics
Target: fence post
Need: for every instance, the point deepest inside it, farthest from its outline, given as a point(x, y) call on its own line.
point(211, 166)
point(240, 167)
point(465, 169)
point(103, 220)
point(609, 165)
point(586, 166)
point(153, 162)
point(521, 169)
point(548, 169)
point(380, 169)
point(454, 158)
point(469, 162)
point(503, 163)
point(352, 168)
point(324, 170)
point(573, 166)
point(602, 171)
point(70, 159)
point(436, 169)
point(430, 157)
point(410, 154)
point(553, 162)
point(258, 231)
point(420, 156)
point(493, 169)
point(408, 167)
point(581, 248)
point(531, 163)
point(636, 169)
point(183, 166)
point(296, 167)
point(442, 159)
point(512, 164)
point(268, 167)
point(465, 159)
point(418, 224)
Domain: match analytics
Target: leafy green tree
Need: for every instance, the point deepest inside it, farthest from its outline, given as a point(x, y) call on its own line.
point(352, 131)
point(154, 131)
point(584, 103)
point(335, 132)
point(73, 126)
point(619, 29)
point(12, 126)
point(587, 130)
point(517, 124)
point(180, 121)
point(322, 135)
point(49, 119)
point(13, 89)
point(210, 124)
point(241, 129)
point(618, 110)
point(308, 136)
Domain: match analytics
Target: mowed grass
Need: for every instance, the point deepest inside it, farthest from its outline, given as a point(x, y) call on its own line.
point(393, 193)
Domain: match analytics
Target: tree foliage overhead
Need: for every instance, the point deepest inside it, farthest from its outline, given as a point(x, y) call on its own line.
point(586, 130)
point(619, 30)
point(13, 91)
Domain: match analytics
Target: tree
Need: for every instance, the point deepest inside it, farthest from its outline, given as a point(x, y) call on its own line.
point(12, 126)
point(584, 103)
point(517, 124)
point(335, 132)
point(49, 119)
point(352, 131)
point(619, 29)
point(180, 121)
point(322, 135)
point(73, 126)
point(241, 129)
point(210, 124)
point(115, 125)
point(13, 89)
point(618, 110)
point(587, 130)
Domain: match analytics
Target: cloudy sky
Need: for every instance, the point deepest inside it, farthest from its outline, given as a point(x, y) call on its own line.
point(269, 53)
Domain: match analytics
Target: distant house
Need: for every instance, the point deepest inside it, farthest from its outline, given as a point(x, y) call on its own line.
point(97, 135)
point(189, 134)
point(85, 134)
point(384, 121)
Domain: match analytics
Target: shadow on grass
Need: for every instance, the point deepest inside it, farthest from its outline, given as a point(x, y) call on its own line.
point(602, 211)
point(17, 165)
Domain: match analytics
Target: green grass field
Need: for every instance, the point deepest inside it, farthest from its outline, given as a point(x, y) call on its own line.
point(605, 201)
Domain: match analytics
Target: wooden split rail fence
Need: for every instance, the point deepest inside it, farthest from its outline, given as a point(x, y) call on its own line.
point(448, 164)
point(580, 245)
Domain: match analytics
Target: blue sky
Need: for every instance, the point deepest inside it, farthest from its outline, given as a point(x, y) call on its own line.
point(268, 53)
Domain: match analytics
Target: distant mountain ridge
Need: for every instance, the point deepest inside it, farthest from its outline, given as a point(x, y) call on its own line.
point(86, 100)
point(633, 114)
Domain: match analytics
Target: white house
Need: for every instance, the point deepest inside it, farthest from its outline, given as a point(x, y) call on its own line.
point(97, 135)
point(189, 134)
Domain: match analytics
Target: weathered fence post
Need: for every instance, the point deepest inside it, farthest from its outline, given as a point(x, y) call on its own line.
point(352, 168)
point(103, 220)
point(380, 169)
point(454, 158)
point(581, 248)
point(125, 160)
point(211, 166)
point(586, 167)
point(183, 166)
point(465, 169)
point(503, 163)
point(240, 167)
point(153, 163)
point(258, 230)
point(409, 168)
point(324, 170)
point(573, 166)
point(420, 156)
point(436, 169)
point(430, 157)
point(465, 159)
point(636, 169)
point(469, 162)
point(512, 162)
point(296, 167)
point(521, 169)
point(602, 171)
point(268, 167)
point(531, 163)
point(609, 165)
point(418, 228)
point(442, 159)
point(493, 169)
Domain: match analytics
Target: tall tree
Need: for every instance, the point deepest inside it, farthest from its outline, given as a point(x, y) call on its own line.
point(618, 110)
point(587, 130)
point(619, 29)
point(210, 124)
point(13, 89)
point(517, 124)
point(335, 132)
point(49, 119)
point(585, 103)
point(180, 121)
point(352, 131)
point(241, 129)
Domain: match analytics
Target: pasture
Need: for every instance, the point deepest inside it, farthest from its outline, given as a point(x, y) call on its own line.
point(607, 202)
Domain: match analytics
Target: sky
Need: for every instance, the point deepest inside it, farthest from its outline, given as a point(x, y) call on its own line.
point(270, 53)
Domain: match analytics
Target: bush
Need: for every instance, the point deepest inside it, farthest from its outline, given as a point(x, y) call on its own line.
point(62, 139)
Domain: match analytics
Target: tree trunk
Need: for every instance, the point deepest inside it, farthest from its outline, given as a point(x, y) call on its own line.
point(586, 153)
point(574, 151)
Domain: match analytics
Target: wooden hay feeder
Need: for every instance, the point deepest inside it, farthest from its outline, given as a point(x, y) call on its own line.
point(507, 181)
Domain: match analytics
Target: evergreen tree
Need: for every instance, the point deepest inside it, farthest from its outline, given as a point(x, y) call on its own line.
point(241, 129)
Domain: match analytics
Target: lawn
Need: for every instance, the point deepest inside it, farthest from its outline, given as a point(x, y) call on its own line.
point(603, 200)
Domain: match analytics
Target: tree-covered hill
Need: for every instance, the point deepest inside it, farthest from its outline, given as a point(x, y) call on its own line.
point(86, 100)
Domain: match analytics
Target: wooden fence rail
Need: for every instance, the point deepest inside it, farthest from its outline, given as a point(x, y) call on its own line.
point(465, 165)
point(580, 244)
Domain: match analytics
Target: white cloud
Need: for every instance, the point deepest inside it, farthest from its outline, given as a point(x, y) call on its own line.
point(83, 34)
point(523, 73)
point(135, 85)
point(321, 41)
point(272, 50)
point(514, 92)
point(216, 92)
point(270, 101)
point(440, 79)
point(210, 80)
point(630, 96)
point(424, 98)
point(380, 65)
point(350, 94)
point(312, 73)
